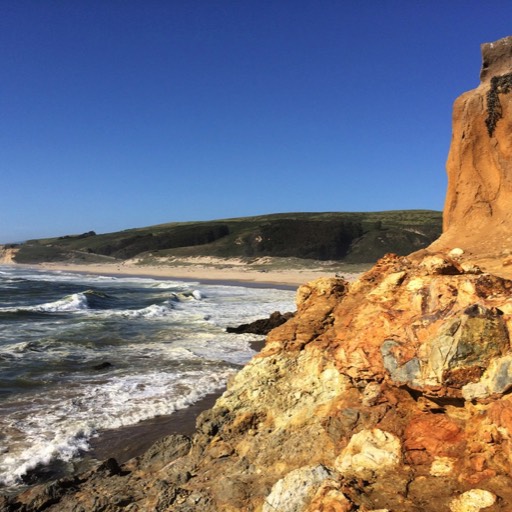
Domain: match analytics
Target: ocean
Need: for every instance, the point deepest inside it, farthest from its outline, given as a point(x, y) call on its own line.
point(81, 354)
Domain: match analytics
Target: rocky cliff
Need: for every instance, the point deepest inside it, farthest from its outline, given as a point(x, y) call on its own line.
point(480, 163)
point(388, 394)
point(7, 254)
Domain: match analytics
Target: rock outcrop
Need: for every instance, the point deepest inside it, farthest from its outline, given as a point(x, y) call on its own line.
point(262, 326)
point(392, 393)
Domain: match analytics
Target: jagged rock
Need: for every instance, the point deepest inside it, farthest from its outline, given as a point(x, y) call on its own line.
point(456, 355)
point(295, 490)
point(110, 467)
point(496, 380)
point(496, 58)
point(263, 326)
point(315, 303)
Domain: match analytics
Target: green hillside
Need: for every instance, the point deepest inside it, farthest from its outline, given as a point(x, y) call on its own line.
point(350, 237)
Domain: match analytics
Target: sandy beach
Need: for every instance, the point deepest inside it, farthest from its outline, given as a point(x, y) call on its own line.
point(204, 270)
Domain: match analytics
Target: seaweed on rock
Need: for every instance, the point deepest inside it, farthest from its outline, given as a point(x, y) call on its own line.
point(499, 85)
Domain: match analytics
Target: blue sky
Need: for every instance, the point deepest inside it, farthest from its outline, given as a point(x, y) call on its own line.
point(118, 114)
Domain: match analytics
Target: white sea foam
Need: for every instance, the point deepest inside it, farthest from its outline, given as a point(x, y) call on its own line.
point(74, 302)
point(165, 342)
point(186, 296)
point(167, 285)
point(153, 311)
point(59, 427)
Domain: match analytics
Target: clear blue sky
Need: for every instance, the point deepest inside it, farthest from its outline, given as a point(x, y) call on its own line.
point(119, 114)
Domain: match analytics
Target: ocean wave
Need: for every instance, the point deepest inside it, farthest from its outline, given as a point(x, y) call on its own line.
point(74, 302)
point(168, 285)
point(60, 428)
point(187, 296)
point(165, 342)
point(152, 311)
point(89, 299)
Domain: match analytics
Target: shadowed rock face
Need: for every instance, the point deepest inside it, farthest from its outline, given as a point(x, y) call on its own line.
point(388, 394)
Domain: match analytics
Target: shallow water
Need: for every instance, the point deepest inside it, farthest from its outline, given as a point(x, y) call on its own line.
point(82, 353)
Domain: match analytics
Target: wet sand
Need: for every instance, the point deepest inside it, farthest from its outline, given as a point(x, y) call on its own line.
point(127, 442)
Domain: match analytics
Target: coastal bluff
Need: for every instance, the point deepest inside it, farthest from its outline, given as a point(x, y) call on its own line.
point(391, 393)
point(477, 216)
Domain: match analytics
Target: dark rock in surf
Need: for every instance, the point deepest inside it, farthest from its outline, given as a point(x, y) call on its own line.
point(262, 326)
point(102, 366)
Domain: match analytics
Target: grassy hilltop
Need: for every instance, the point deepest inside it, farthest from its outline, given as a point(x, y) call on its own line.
point(348, 237)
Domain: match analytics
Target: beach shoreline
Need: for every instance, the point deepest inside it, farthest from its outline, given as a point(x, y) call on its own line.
point(228, 274)
point(132, 441)
point(125, 443)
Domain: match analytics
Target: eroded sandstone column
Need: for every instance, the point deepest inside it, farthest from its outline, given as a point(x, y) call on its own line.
point(478, 206)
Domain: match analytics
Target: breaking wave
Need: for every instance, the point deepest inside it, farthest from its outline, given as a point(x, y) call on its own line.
point(117, 403)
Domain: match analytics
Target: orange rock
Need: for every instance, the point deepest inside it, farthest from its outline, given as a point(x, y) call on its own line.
point(437, 435)
point(479, 162)
point(500, 413)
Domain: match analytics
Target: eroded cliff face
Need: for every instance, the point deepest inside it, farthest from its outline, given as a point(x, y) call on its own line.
point(477, 213)
point(7, 255)
point(388, 394)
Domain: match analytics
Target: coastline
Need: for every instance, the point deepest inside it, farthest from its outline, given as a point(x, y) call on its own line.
point(228, 274)
point(132, 441)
